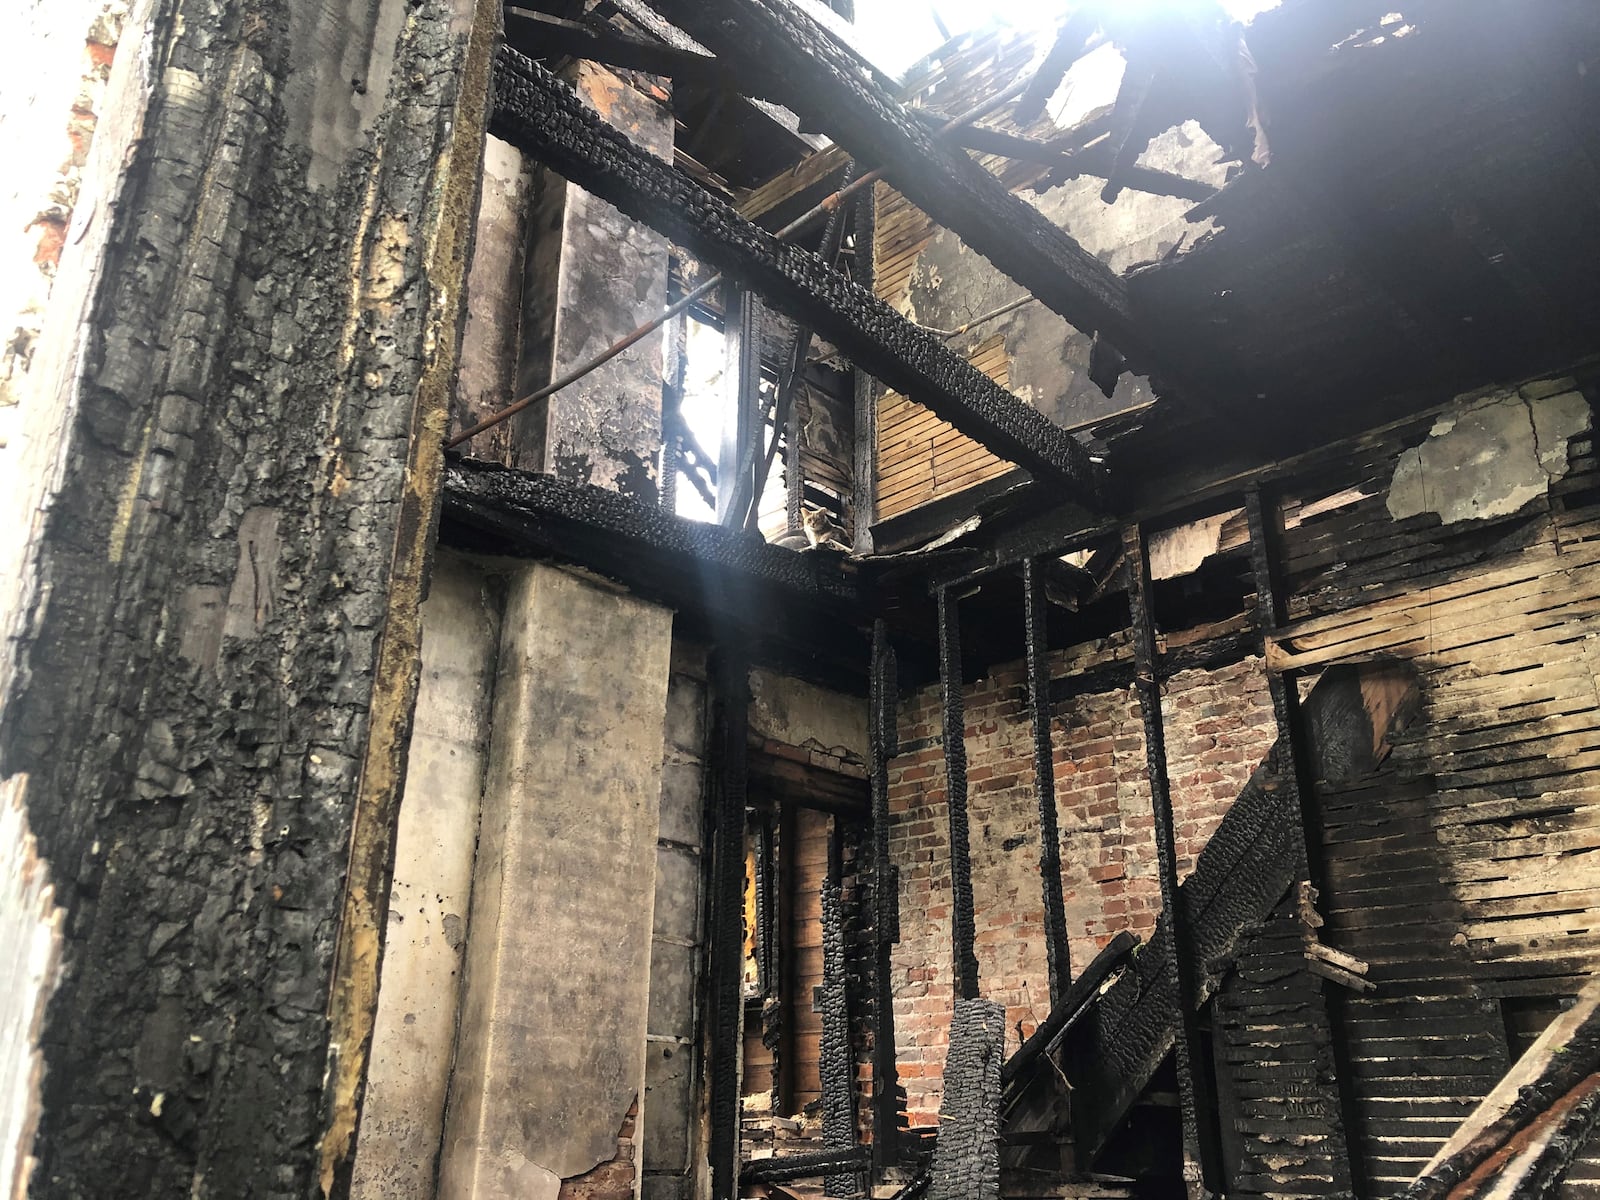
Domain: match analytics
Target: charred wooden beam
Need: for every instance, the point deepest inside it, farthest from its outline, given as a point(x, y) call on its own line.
point(863, 496)
point(786, 1168)
point(730, 780)
point(882, 745)
point(1036, 630)
point(535, 111)
point(1199, 1112)
point(1206, 654)
point(540, 35)
point(963, 919)
point(798, 611)
point(1046, 1038)
point(819, 78)
point(1098, 160)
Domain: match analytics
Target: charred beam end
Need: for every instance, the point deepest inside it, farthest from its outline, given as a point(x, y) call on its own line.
point(537, 112)
point(963, 922)
point(1036, 629)
point(818, 78)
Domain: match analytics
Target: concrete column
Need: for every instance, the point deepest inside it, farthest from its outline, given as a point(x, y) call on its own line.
point(402, 1119)
point(551, 1049)
point(593, 277)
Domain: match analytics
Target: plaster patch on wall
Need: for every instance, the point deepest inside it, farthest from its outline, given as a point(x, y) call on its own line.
point(1489, 458)
point(1180, 551)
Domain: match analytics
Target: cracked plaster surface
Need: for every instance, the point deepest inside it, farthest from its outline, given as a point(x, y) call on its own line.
point(1493, 455)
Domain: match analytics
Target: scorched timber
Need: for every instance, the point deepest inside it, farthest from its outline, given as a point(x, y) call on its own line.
point(771, 43)
point(534, 110)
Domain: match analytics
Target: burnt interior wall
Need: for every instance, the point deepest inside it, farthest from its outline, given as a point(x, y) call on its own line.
point(1461, 871)
point(227, 580)
point(1219, 726)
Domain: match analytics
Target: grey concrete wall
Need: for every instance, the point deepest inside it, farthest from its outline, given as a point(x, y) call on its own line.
point(492, 340)
point(553, 1023)
point(593, 275)
point(672, 1078)
point(413, 1042)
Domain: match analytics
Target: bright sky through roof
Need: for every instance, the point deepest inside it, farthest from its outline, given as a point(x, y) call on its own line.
point(896, 33)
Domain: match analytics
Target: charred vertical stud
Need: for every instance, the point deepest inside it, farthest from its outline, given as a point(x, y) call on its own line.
point(1199, 1128)
point(1044, 780)
point(883, 743)
point(837, 1067)
point(1264, 517)
point(955, 767)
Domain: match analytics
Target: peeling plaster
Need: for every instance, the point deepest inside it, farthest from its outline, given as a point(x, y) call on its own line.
point(1493, 455)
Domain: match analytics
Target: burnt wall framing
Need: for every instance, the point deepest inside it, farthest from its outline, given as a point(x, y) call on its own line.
point(1036, 629)
point(1200, 1133)
point(537, 112)
point(822, 80)
point(964, 958)
point(1334, 1101)
point(883, 744)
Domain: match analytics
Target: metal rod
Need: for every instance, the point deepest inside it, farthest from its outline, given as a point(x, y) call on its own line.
point(792, 229)
point(982, 319)
point(1036, 617)
point(1199, 1129)
point(963, 920)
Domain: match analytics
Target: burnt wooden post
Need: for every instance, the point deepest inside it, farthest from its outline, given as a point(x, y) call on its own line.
point(864, 494)
point(1265, 519)
point(882, 745)
point(1044, 780)
point(730, 774)
point(962, 921)
point(741, 429)
point(1199, 1116)
point(837, 1065)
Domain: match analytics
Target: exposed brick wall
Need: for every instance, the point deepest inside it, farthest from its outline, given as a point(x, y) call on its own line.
point(1219, 726)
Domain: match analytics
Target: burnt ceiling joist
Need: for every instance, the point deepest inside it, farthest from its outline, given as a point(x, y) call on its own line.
point(797, 612)
point(773, 45)
point(537, 112)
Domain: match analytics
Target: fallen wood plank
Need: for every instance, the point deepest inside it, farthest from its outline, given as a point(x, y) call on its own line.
point(1567, 1052)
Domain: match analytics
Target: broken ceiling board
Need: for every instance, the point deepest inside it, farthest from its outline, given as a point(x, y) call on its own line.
point(537, 112)
point(818, 79)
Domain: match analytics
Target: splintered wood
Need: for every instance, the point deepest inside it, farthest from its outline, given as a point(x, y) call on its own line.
point(1464, 872)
